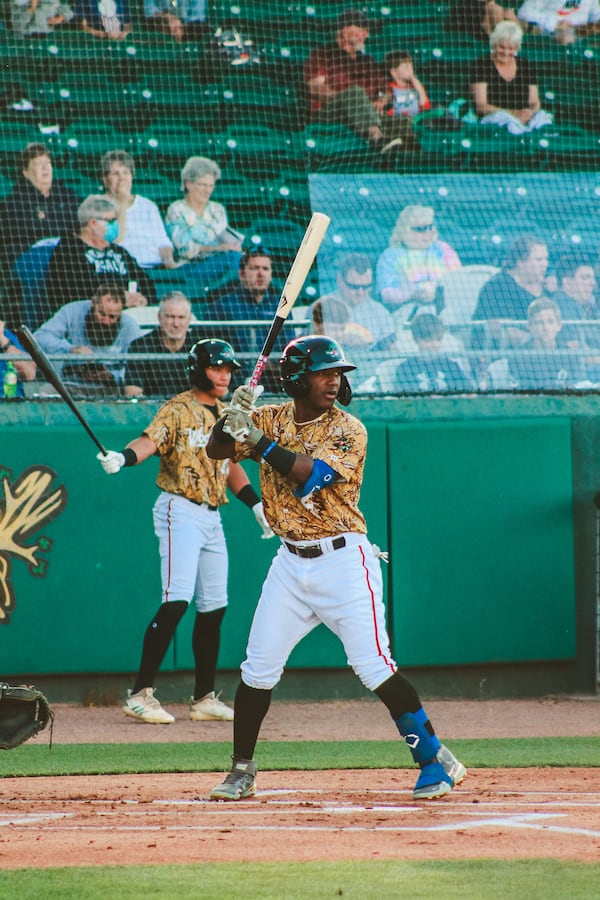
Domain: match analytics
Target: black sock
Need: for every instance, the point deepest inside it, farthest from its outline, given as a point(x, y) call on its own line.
point(206, 638)
point(251, 706)
point(399, 696)
point(159, 635)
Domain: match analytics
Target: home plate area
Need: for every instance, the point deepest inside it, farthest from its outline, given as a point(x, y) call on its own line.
point(350, 814)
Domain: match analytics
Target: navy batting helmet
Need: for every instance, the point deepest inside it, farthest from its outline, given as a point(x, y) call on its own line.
point(313, 353)
point(208, 352)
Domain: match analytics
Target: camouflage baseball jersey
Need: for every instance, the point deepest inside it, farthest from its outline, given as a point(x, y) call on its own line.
point(180, 431)
point(338, 439)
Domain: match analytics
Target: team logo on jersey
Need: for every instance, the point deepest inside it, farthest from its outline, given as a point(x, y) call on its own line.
point(342, 444)
point(26, 505)
point(198, 439)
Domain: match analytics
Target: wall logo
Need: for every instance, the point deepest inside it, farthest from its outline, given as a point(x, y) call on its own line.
point(26, 505)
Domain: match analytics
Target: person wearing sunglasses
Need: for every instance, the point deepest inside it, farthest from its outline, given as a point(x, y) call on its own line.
point(89, 257)
point(408, 272)
point(369, 325)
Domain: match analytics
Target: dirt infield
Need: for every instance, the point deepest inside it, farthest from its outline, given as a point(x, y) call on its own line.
point(156, 819)
point(298, 816)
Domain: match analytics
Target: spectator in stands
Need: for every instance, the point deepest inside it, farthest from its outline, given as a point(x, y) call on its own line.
point(507, 295)
point(162, 378)
point(409, 270)
point(345, 85)
point(253, 299)
point(479, 17)
point(141, 228)
point(563, 20)
point(200, 231)
point(13, 372)
point(37, 207)
point(430, 370)
point(38, 17)
point(88, 258)
point(331, 316)
point(505, 91)
point(577, 301)
point(354, 285)
point(405, 98)
point(109, 19)
point(540, 363)
point(183, 20)
point(85, 327)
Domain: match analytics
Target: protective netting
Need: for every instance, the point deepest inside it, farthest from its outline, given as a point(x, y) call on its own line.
point(454, 146)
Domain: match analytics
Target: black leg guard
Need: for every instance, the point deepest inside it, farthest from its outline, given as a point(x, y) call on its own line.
point(206, 639)
point(159, 635)
point(250, 708)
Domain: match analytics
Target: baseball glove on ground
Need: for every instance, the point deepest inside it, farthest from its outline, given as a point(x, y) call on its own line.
point(24, 711)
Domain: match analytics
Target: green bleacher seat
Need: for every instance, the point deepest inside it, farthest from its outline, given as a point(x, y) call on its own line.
point(281, 237)
point(260, 151)
point(568, 148)
point(207, 107)
point(6, 186)
point(253, 96)
point(70, 100)
point(166, 145)
point(79, 182)
point(84, 143)
point(335, 148)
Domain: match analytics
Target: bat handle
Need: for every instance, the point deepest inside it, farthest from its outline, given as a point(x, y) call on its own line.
point(259, 368)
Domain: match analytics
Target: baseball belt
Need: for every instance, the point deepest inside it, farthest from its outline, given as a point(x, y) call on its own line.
point(311, 551)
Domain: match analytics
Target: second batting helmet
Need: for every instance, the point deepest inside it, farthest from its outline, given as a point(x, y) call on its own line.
point(313, 353)
point(208, 352)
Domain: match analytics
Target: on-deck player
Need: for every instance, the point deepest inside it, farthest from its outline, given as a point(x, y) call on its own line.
point(187, 522)
point(311, 457)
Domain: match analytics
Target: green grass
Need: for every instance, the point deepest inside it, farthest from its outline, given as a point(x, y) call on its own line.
point(118, 759)
point(533, 879)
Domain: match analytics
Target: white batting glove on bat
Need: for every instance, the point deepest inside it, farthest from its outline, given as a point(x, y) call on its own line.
point(259, 514)
point(245, 397)
point(112, 463)
point(240, 426)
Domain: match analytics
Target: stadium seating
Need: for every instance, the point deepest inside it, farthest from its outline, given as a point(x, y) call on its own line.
point(461, 289)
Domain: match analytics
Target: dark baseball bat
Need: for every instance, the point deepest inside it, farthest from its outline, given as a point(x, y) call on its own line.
point(314, 234)
point(43, 363)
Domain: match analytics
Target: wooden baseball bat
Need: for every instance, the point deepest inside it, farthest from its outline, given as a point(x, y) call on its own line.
point(314, 234)
point(39, 357)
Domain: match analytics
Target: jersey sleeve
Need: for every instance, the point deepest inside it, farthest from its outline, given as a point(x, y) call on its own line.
point(163, 429)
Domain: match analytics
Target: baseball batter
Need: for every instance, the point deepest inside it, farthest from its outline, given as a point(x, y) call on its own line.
point(311, 457)
point(187, 523)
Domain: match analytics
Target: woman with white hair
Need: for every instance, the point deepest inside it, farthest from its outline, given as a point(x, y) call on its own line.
point(409, 270)
point(199, 229)
point(141, 228)
point(505, 90)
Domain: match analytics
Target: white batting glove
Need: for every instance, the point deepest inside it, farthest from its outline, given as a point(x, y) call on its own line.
point(245, 397)
point(112, 463)
point(259, 514)
point(383, 555)
point(240, 426)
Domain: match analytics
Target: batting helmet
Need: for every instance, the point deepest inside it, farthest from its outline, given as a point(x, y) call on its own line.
point(208, 352)
point(313, 353)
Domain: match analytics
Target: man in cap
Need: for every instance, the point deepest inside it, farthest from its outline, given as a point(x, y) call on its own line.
point(345, 85)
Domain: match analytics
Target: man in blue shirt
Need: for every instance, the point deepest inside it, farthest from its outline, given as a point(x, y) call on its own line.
point(254, 299)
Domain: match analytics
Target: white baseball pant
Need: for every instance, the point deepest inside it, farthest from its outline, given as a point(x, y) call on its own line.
point(193, 553)
point(343, 590)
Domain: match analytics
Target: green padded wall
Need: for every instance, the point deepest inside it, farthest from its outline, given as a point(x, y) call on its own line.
point(482, 541)
point(89, 612)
